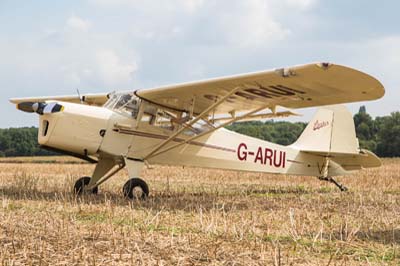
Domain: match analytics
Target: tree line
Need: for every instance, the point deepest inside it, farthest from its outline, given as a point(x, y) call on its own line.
point(380, 135)
point(21, 142)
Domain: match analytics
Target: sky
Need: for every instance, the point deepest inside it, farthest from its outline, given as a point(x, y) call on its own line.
point(52, 47)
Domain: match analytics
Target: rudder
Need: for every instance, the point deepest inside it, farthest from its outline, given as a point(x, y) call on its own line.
point(331, 131)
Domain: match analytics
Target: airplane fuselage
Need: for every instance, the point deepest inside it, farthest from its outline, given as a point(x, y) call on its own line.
point(89, 130)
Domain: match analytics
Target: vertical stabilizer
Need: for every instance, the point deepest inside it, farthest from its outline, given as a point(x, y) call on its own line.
point(331, 130)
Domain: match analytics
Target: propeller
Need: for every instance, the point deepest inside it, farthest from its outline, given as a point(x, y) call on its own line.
point(26, 107)
point(40, 107)
point(29, 107)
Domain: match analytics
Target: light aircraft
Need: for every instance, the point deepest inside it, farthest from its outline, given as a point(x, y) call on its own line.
point(184, 125)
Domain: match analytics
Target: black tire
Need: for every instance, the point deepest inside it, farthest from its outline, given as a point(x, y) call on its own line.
point(128, 189)
point(80, 185)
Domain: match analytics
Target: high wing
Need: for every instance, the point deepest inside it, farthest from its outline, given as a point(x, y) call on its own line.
point(89, 99)
point(295, 87)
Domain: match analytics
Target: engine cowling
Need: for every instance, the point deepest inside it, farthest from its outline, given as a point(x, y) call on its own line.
point(76, 128)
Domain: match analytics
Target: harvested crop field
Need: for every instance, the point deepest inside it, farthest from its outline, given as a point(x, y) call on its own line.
point(197, 217)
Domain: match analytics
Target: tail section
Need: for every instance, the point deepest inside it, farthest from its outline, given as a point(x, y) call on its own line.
point(331, 131)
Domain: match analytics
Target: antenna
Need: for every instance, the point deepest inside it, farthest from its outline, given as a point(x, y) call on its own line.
point(79, 94)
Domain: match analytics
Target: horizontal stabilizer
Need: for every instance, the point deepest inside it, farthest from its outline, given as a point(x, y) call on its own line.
point(352, 162)
point(365, 159)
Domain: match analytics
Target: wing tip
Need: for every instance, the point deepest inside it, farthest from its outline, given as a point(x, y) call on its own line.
point(100, 97)
point(376, 90)
point(13, 100)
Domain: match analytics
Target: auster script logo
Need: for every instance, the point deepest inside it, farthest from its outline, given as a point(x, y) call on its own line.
point(319, 125)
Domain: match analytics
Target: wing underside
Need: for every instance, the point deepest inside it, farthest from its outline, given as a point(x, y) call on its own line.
point(296, 87)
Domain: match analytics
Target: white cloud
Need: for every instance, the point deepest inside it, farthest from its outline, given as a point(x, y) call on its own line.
point(114, 3)
point(302, 4)
point(191, 5)
point(100, 67)
point(233, 23)
point(69, 57)
point(77, 23)
point(185, 5)
point(91, 58)
point(252, 23)
point(112, 70)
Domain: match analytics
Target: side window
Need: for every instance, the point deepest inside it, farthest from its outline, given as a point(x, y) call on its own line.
point(132, 107)
point(163, 120)
point(147, 118)
point(157, 117)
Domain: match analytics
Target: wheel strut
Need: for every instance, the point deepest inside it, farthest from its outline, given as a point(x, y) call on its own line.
point(325, 175)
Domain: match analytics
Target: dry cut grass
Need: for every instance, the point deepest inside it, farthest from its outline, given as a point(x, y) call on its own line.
point(198, 217)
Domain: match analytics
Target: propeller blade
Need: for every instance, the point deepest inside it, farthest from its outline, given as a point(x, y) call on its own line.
point(32, 107)
point(26, 107)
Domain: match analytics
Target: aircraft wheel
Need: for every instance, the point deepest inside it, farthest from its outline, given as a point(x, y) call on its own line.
point(80, 184)
point(136, 188)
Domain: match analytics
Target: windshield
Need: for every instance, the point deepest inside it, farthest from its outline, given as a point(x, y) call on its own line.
point(126, 103)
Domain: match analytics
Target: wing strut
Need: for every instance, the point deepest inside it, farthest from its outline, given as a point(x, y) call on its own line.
point(200, 116)
point(209, 131)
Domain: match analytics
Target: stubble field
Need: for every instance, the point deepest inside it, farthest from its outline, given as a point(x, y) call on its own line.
point(197, 217)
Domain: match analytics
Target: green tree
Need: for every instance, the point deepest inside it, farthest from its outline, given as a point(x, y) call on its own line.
point(20, 142)
point(283, 133)
point(389, 135)
point(366, 130)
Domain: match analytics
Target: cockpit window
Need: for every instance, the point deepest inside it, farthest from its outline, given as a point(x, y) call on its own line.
point(126, 103)
point(157, 116)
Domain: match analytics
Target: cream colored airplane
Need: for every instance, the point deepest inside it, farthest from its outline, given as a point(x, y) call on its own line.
point(184, 125)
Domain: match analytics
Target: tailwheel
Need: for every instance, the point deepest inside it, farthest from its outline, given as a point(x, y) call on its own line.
point(333, 181)
point(81, 183)
point(136, 188)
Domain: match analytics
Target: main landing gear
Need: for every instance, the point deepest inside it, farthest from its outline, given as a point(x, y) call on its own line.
point(134, 188)
point(106, 168)
point(80, 185)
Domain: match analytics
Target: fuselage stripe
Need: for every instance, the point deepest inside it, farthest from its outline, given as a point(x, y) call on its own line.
point(293, 161)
